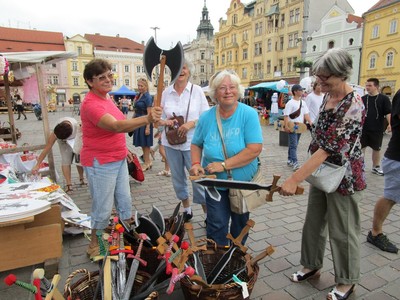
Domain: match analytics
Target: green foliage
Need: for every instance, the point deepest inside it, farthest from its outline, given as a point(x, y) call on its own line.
point(303, 64)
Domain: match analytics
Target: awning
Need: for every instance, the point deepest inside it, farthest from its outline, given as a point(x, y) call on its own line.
point(38, 56)
point(279, 86)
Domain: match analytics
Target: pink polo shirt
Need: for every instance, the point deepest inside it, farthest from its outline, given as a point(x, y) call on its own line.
point(104, 145)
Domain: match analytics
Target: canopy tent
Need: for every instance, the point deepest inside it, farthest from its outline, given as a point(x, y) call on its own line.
point(279, 86)
point(18, 60)
point(123, 91)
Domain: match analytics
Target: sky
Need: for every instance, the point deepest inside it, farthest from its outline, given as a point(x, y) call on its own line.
point(177, 20)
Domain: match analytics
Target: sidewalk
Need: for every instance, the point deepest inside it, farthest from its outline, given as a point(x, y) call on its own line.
point(278, 223)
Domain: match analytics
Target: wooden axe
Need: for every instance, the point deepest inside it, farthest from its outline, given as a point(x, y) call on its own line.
point(172, 58)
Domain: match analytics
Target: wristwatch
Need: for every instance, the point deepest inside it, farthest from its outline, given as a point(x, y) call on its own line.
point(223, 165)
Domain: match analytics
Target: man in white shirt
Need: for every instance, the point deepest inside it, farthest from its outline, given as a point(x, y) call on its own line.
point(314, 101)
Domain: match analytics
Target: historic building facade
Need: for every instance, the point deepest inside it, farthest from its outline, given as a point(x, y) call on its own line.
point(201, 50)
point(262, 40)
point(338, 30)
point(381, 44)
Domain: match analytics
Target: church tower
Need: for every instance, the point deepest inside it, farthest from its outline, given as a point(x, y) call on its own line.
point(205, 27)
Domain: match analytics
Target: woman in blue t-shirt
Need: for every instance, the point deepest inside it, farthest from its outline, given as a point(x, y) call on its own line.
point(243, 141)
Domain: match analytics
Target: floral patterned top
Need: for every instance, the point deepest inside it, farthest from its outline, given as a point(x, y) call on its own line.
point(336, 131)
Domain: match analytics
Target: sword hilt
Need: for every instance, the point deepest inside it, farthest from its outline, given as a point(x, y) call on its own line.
point(189, 271)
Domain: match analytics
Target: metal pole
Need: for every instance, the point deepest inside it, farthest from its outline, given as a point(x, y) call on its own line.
point(155, 32)
point(157, 68)
point(304, 36)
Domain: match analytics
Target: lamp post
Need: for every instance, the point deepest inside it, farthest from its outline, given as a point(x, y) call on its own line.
point(304, 37)
point(155, 32)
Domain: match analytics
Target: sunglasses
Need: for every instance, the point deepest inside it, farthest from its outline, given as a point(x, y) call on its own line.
point(104, 77)
point(323, 77)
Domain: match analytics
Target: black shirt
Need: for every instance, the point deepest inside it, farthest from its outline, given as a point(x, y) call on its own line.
point(376, 107)
point(393, 150)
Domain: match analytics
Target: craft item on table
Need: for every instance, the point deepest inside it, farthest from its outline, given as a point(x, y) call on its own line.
point(23, 186)
point(76, 218)
point(17, 209)
point(150, 228)
point(24, 195)
point(50, 188)
point(8, 172)
point(198, 265)
point(12, 279)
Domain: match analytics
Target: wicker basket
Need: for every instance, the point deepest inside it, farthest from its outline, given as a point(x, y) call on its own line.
point(85, 287)
point(228, 291)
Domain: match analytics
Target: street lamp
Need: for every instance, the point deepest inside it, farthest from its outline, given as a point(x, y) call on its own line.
point(155, 32)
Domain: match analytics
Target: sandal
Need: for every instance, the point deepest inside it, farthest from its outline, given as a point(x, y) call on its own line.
point(334, 294)
point(82, 182)
point(299, 276)
point(68, 190)
point(164, 173)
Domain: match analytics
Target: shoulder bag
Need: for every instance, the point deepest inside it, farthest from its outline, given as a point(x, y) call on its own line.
point(243, 201)
point(296, 113)
point(135, 169)
point(328, 176)
point(171, 132)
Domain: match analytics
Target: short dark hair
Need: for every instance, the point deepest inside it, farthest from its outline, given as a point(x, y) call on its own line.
point(315, 85)
point(374, 80)
point(63, 130)
point(296, 87)
point(96, 67)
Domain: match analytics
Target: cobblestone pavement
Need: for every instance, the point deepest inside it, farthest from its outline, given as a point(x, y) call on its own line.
point(278, 223)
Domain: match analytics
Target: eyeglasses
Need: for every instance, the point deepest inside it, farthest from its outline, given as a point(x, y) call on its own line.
point(224, 89)
point(104, 77)
point(323, 77)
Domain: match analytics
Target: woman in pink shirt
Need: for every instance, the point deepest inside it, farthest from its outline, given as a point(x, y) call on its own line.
point(104, 150)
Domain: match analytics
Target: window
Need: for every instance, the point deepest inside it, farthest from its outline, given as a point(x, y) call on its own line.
point(282, 20)
point(114, 67)
point(75, 81)
point(229, 56)
point(393, 27)
point(53, 65)
point(258, 70)
point(202, 55)
point(233, 38)
point(289, 64)
point(245, 35)
point(389, 59)
point(79, 50)
point(52, 79)
point(314, 48)
point(291, 17)
point(268, 67)
point(269, 45)
point(223, 59)
point(372, 61)
point(290, 41)
point(258, 49)
point(234, 19)
point(281, 65)
point(126, 68)
point(74, 66)
point(127, 82)
point(245, 54)
point(138, 69)
point(297, 15)
point(202, 69)
point(331, 44)
point(351, 41)
point(281, 43)
point(244, 73)
point(375, 31)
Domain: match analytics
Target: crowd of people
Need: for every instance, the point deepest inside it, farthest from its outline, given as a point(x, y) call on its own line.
point(226, 140)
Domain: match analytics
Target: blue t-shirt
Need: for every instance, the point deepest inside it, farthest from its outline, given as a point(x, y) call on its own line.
point(240, 129)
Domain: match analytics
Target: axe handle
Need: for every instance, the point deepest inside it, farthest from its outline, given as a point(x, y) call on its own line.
point(160, 84)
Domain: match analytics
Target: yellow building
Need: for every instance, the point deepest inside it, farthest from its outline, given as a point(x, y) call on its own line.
point(381, 44)
point(77, 87)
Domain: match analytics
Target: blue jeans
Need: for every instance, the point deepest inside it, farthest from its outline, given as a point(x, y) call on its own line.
point(294, 139)
point(179, 161)
point(109, 183)
point(218, 215)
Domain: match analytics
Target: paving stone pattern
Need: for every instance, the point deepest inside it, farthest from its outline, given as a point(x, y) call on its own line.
point(278, 223)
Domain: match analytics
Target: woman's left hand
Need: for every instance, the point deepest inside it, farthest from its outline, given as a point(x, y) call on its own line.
point(130, 156)
point(147, 131)
point(289, 187)
point(183, 130)
point(215, 167)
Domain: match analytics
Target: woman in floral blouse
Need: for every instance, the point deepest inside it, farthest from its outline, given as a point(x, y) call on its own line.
point(338, 128)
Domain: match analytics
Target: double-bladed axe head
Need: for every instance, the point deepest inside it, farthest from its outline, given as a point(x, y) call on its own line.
point(152, 56)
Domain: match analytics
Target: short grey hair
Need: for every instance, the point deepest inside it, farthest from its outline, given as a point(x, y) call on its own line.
point(189, 65)
point(336, 62)
point(216, 80)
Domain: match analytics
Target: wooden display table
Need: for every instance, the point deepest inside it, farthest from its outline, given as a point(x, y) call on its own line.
point(31, 240)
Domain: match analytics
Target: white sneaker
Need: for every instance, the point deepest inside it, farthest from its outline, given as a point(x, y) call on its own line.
point(377, 171)
point(296, 166)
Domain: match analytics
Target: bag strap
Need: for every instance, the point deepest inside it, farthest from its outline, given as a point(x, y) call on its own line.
point(222, 138)
point(190, 97)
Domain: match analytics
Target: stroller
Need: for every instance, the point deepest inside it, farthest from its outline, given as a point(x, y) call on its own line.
point(37, 109)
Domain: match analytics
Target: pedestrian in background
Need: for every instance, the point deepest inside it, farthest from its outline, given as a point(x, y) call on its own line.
point(143, 136)
point(391, 193)
point(336, 133)
point(124, 104)
point(314, 101)
point(378, 107)
point(20, 106)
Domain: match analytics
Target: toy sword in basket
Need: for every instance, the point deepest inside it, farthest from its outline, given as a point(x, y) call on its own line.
point(211, 185)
